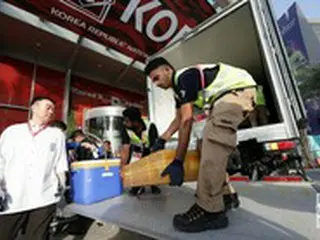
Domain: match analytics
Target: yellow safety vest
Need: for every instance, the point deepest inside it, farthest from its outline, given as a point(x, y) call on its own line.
point(227, 79)
point(261, 101)
point(142, 142)
point(135, 140)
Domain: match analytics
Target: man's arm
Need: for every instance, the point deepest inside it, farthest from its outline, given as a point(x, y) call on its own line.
point(186, 93)
point(125, 148)
point(185, 126)
point(61, 160)
point(2, 157)
point(153, 134)
point(2, 164)
point(2, 183)
point(125, 154)
point(175, 168)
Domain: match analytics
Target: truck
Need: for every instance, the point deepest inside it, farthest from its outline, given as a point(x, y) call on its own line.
point(245, 35)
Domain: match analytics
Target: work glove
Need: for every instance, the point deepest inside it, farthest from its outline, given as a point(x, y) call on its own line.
point(175, 171)
point(159, 144)
point(3, 200)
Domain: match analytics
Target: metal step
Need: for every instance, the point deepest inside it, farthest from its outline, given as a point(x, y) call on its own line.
point(267, 211)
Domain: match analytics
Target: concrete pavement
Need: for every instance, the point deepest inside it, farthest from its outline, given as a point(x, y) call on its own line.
point(103, 231)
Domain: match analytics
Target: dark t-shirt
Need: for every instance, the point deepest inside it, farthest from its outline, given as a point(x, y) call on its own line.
point(189, 84)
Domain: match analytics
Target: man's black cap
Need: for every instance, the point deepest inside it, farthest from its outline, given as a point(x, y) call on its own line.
point(132, 113)
point(77, 133)
point(155, 63)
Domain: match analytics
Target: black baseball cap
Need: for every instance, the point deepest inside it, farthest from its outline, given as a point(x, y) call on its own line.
point(155, 63)
point(133, 113)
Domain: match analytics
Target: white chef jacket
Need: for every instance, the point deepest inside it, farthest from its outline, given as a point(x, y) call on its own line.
point(29, 166)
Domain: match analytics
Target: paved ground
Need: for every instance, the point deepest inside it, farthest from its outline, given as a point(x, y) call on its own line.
point(314, 174)
point(104, 231)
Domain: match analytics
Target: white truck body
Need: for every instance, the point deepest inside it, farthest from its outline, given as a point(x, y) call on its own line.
point(244, 35)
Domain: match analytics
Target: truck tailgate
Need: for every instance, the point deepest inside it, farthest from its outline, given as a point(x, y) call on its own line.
point(267, 211)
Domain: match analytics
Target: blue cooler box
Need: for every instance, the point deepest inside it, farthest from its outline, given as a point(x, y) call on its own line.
point(95, 180)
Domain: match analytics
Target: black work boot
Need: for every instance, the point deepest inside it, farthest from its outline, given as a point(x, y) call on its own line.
point(231, 201)
point(197, 219)
point(136, 191)
point(155, 190)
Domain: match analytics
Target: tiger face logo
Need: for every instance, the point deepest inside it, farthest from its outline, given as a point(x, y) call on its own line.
point(95, 9)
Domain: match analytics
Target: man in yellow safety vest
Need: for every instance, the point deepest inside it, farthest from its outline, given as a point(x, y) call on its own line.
point(137, 138)
point(228, 94)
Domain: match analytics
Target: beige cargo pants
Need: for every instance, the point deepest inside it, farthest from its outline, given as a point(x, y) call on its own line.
point(219, 140)
point(227, 187)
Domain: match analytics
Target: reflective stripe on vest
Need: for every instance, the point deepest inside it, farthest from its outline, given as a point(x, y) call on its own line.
point(261, 101)
point(135, 140)
point(142, 143)
point(227, 79)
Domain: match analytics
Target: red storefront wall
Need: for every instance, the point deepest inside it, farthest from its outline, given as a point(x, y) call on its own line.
point(87, 94)
point(16, 90)
point(15, 81)
point(51, 83)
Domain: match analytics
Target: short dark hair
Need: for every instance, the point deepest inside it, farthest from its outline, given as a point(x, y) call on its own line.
point(155, 63)
point(77, 133)
point(133, 113)
point(59, 124)
point(40, 98)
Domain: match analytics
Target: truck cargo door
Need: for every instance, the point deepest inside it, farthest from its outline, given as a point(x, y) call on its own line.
point(263, 13)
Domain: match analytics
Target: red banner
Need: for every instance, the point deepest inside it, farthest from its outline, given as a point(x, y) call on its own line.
point(87, 94)
point(137, 28)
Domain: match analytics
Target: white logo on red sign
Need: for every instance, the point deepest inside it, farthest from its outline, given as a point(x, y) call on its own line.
point(95, 9)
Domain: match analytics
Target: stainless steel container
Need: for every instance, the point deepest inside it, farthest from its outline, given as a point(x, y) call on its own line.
point(106, 123)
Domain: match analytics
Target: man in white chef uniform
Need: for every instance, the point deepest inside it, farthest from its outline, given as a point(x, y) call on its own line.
point(32, 166)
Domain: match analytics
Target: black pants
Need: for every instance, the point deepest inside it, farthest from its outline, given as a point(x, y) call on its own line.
point(34, 224)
